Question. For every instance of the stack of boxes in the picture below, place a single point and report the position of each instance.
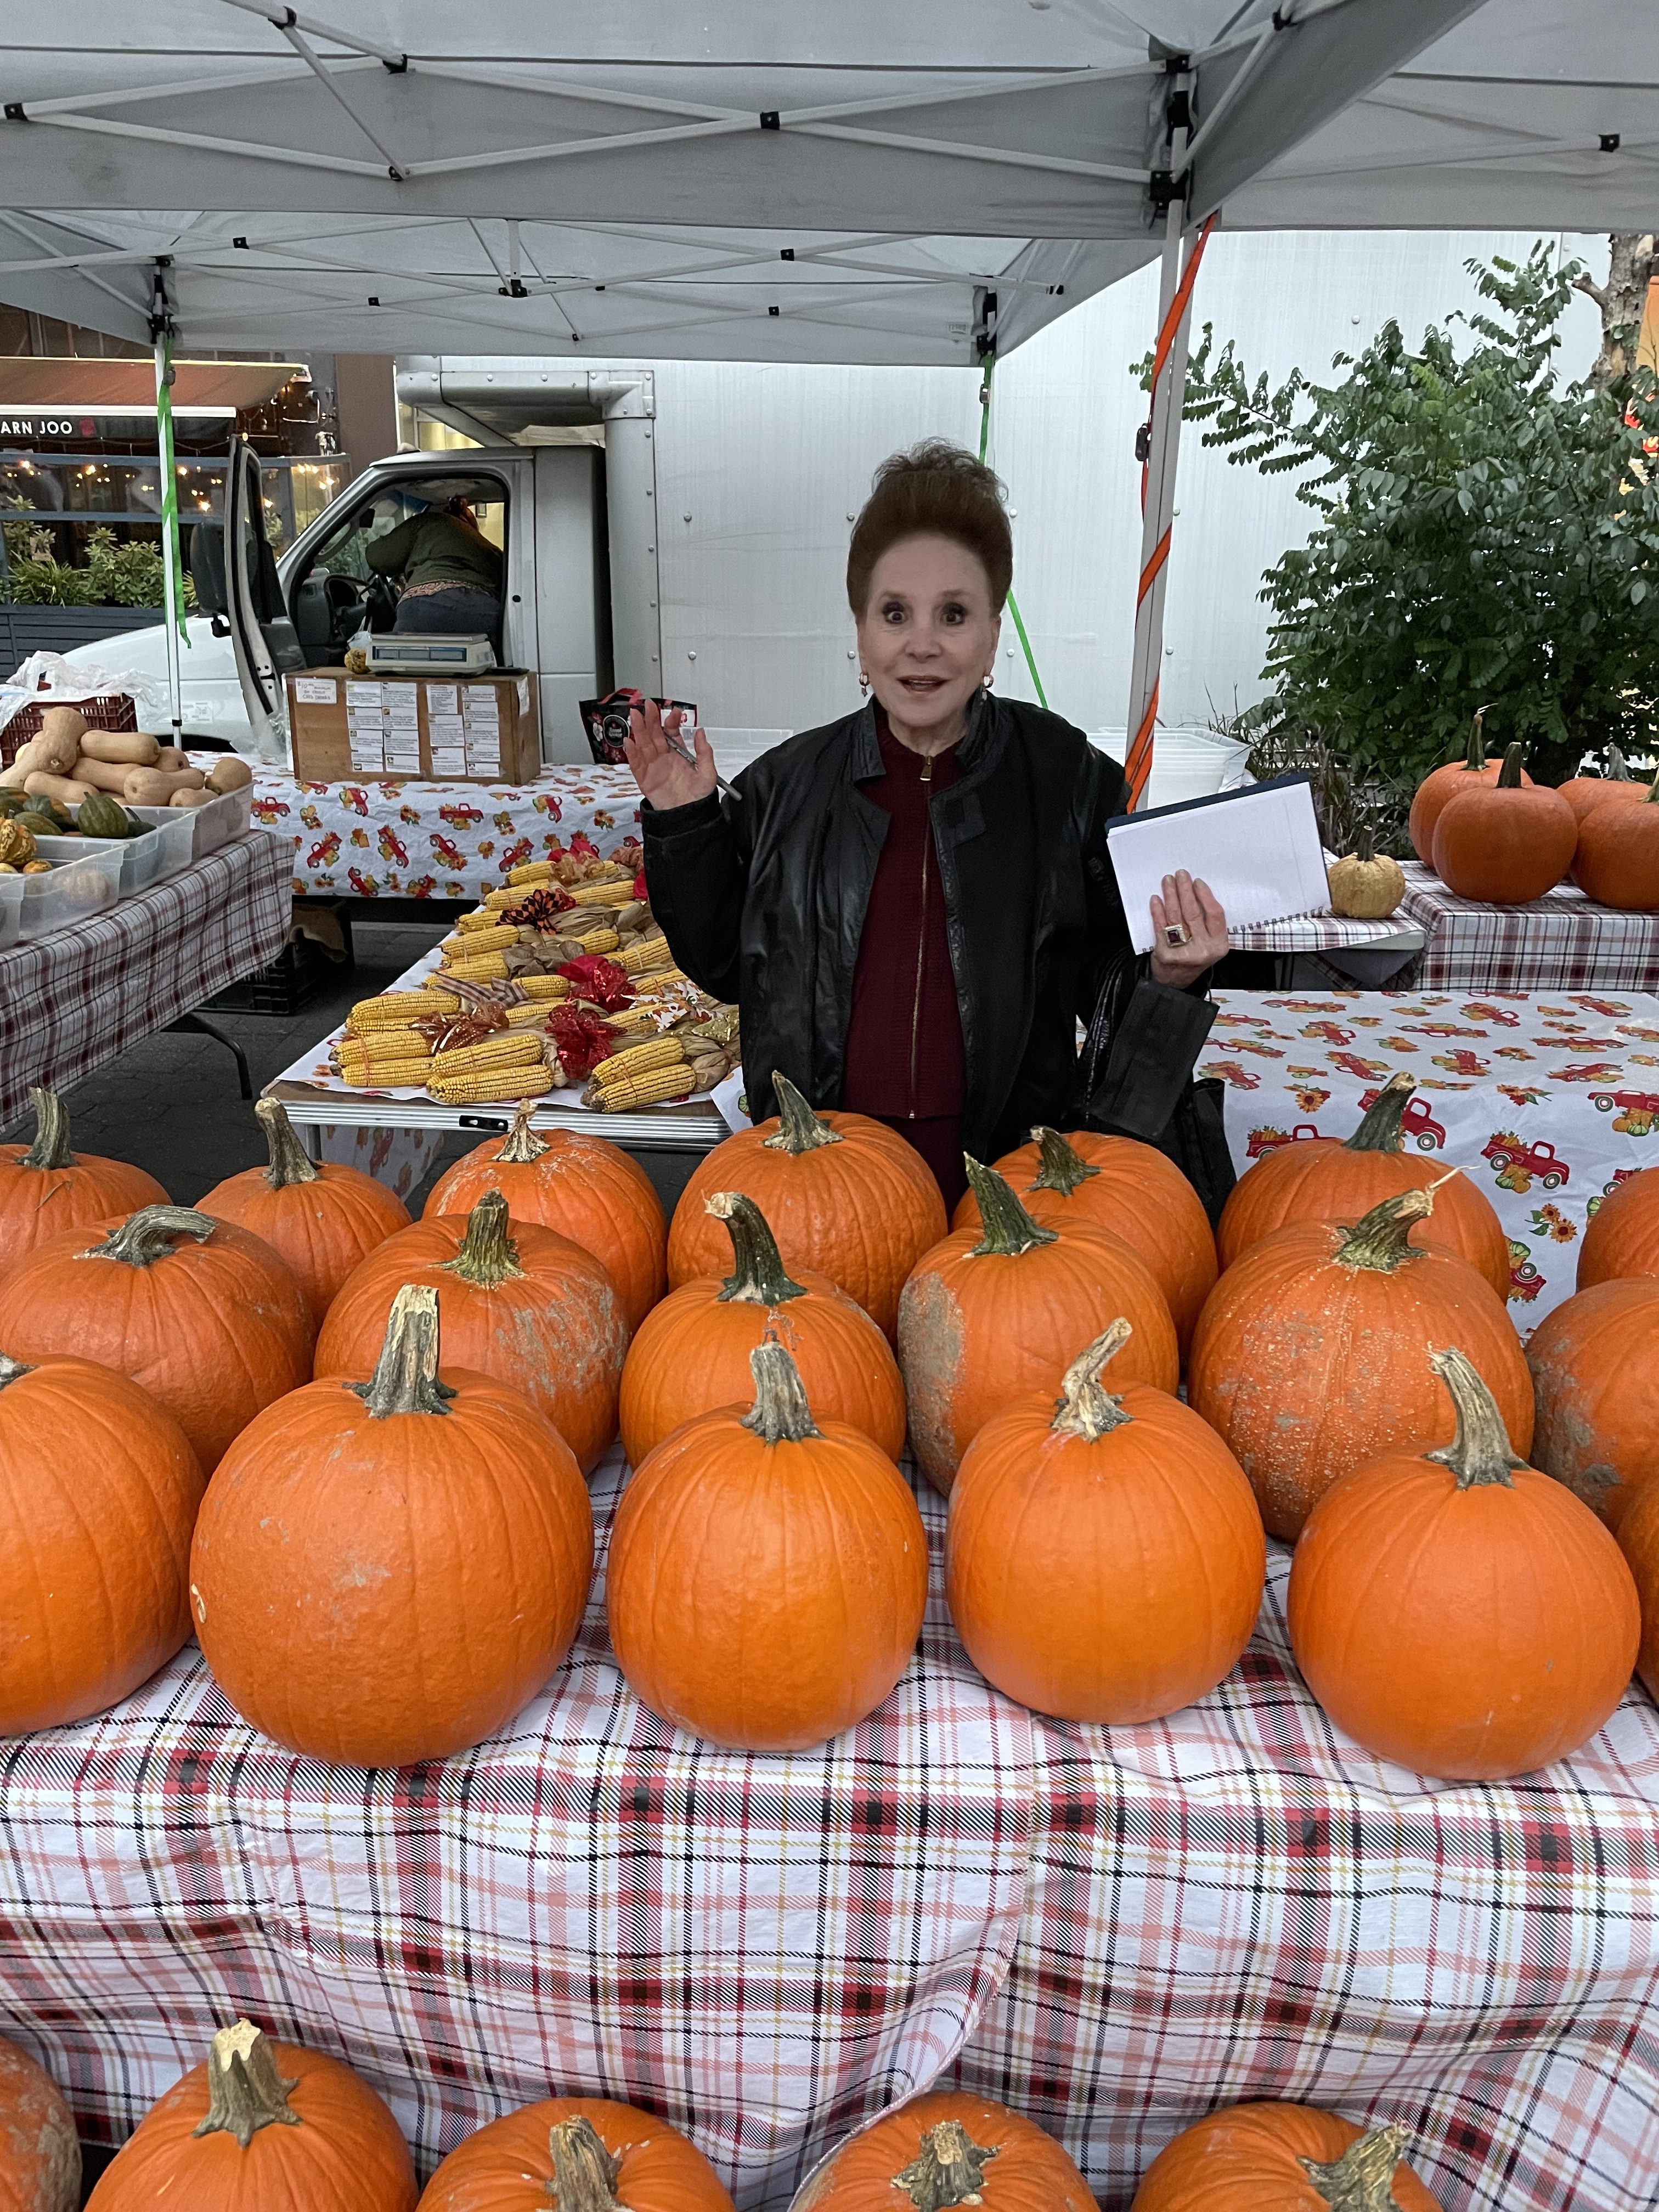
(479, 730)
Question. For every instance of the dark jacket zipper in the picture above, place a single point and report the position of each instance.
(921, 940)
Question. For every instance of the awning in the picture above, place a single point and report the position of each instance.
(90, 386)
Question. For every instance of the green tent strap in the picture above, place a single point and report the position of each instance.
(170, 491)
(988, 363)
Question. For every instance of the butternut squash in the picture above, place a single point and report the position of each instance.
(202, 798)
(123, 748)
(39, 785)
(154, 787)
(170, 760)
(62, 729)
(102, 775)
(230, 772)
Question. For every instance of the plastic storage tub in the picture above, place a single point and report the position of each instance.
(230, 815)
(168, 845)
(75, 889)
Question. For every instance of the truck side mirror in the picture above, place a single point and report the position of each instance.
(207, 568)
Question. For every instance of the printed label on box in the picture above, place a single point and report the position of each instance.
(447, 763)
(366, 758)
(443, 699)
(445, 729)
(316, 691)
(365, 694)
(403, 714)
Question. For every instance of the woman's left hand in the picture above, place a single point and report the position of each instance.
(1187, 902)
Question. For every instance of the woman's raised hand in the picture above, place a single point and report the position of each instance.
(1188, 904)
(665, 776)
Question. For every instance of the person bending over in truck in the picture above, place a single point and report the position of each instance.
(451, 573)
(912, 907)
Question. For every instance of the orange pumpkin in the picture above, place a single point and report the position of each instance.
(991, 1314)
(692, 1354)
(1449, 782)
(1621, 1237)
(584, 1187)
(1585, 793)
(1638, 1539)
(261, 2125)
(1595, 1364)
(582, 2154)
(767, 1574)
(1506, 842)
(387, 1572)
(46, 1188)
(321, 1216)
(39, 2151)
(844, 1195)
(1129, 1189)
(1282, 2157)
(945, 2149)
(203, 1315)
(1616, 862)
(98, 1489)
(1456, 1611)
(521, 1303)
(1338, 1179)
(1131, 1494)
(1311, 1355)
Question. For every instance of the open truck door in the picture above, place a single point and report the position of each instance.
(235, 572)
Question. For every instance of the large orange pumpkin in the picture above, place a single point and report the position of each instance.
(1638, 1539)
(201, 1314)
(768, 1574)
(844, 1195)
(581, 2154)
(98, 1489)
(1104, 1559)
(387, 1572)
(692, 1354)
(584, 1187)
(262, 2125)
(1448, 782)
(1616, 862)
(1282, 2157)
(1456, 1611)
(993, 1313)
(39, 2151)
(1311, 1355)
(1621, 1237)
(523, 1305)
(1595, 1364)
(1130, 1189)
(321, 1216)
(946, 2148)
(46, 1188)
(1338, 1179)
(1507, 842)
(1585, 793)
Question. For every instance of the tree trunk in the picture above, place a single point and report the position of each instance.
(1623, 300)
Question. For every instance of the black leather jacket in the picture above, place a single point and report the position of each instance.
(762, 900)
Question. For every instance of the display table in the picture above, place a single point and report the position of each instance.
(71, 1000)
(1562, 942)
(1116, 1929)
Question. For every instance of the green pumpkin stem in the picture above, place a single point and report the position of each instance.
(1086, 1407)
(1380, 1130)
(1508, 777)
(949, 2170)
(1480, 1453)
(289, 1162)
(1361, 2180)
(521, 1147)
(757, 1277)
(405, 1378)
(245, 2091)
(1380, 1239)
(585, 2174)
(488, 1256)
(779, 1414)
(147, 1235)
(798, 1130)
(1472, 749)
(11, 1370)
(50, 1148)
(1062, 1167)
(1006, 1227)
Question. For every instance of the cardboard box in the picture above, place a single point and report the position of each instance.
(402, 729)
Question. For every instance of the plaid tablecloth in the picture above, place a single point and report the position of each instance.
(1562, 942)
(1317, 932)
(1114, 1928)
(71, 1000)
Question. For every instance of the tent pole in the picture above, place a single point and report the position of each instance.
(173, 589)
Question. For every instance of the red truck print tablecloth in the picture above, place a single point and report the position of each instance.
(1547, 1101)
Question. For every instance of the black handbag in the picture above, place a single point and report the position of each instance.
(1142, 1046)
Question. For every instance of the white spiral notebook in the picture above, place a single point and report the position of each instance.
(1258, 849)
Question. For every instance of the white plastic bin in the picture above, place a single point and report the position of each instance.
(230, 815)
(75, 889)
(168, 845)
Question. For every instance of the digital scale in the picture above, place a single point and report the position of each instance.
(410, 652)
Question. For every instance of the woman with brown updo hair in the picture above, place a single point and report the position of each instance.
(912, 907)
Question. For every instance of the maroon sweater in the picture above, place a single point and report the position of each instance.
(904, 1062)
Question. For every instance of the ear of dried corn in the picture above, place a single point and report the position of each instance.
(656, 979)
(491, 1086)
(483, 919)
(487, 968)
(618, 893)
(497, 901)
(533, 1014)
(468, 944)
(544, 986)
(660, 1052)
(531, 872)
(505, 1049)
(651, 1086)
(405, 1074)
(651, 953)
(397, 1009)
(385, 1043)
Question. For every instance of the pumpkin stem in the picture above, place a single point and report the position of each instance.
(1652, 798)
(1508, 777)
(1379, 1239)
(405, 1378)
(521, 1147)
(757, 1277)
(1086, 1407)
(1063, 1167)
(779, 1414)
(1617, 770)
(1474, 752)
(1360, 2180)
(147, 1236)
(1380, 1131)
(488, 1256)
(1364, 845)
(950, 2170)
(798, 1130)
(1480, 1454)
(1007, 1227)
(50, 1148)
(11, 1370)
(245, 2091)
(584, 2171)
(289, 1162)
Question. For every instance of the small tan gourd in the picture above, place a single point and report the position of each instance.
(1365, 884)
